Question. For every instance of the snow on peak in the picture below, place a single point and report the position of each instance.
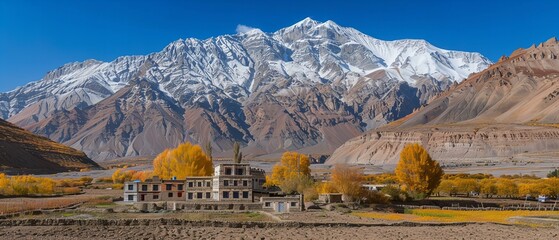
(307, 22)
(307, 52)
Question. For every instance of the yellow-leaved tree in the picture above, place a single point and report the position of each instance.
(184, 161)
(122, 175)
(292, 173)
(347, 180)
(417, 172)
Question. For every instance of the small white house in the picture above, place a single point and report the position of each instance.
(282, 204)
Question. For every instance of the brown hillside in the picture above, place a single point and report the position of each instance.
(509, 109)
(22, 152)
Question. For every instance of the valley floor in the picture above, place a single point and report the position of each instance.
(470, 231)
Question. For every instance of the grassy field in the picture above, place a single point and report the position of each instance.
(436, 215)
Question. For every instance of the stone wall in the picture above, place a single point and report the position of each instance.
(189, 206)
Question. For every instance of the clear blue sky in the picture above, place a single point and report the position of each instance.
(38, 36)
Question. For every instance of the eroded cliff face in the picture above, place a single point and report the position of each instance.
(507, 110)
(450, 144)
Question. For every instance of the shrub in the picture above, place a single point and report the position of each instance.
(395, 194)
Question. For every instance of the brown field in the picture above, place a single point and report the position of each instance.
(162, 231)
(92, 221)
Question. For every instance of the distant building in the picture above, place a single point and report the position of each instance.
(283, 204)
(330, 198)
(374, 187)
(231, 182)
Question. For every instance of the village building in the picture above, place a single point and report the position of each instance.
(283, 204)
(230, 182)
(374, 187)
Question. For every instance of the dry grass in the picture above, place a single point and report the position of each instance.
(435, 215)
(31, 205)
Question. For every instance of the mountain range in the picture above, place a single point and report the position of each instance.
(508, 112)
(309, 87)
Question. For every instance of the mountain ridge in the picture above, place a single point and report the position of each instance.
(507, 111)
(228, 85)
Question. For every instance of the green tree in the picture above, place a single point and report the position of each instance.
(554, 173)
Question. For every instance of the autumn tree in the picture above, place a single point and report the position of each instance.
(488, 187)
(553, 184)
(122, 175)
(347, 180)
(382, 178)
(447, 187)
(184, 161)
(467, 186)
(293, 167)
(506, 188)
(326, 187)
(4, 184)
(417, 172)
(296, 184)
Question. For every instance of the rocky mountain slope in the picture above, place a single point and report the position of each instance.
(24, 152)
(310, 86)
(509, 110)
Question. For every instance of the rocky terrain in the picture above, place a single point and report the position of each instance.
(508, 111)
(309, 87)
(24, 152)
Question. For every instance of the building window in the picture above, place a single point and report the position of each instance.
(235, 183)
(267, 204)
(180, 186)
(240, 171)
(130, 187)
(199, 184)
(169, 186)
(226, 183)
(225, 194)
(245, 183)
(294, 204)
(170, 195)
(245, 194)
(199, 195)
(155, 187)
(235, 194)
(208, 184)
(190, 195)
(227, 171)
(144, 187)
(190, 184)
(155, 196)
(130, 197)
(179, 194)
(208, 195)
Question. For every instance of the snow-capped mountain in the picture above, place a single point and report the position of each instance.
(310, 86)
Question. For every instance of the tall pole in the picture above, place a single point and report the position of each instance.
(557, 193)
